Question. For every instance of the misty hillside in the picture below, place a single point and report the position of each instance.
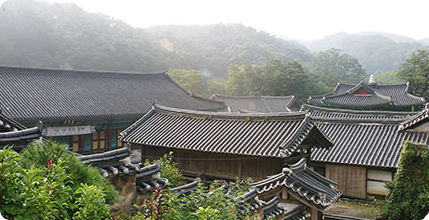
(214, 47)
(56, 35)
(377, 52)
(64, 36)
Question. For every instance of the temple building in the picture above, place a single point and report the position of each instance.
(218, 145)
(262, 104)
(367, 147)
(371, 96)
(88, 109)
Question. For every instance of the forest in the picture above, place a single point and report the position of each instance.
(206, 59)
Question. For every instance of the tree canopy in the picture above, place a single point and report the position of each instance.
(377, 52)
(408, 196)
(274, 78)
(416, 71)
(333, 66)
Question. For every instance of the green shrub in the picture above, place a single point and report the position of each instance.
(169, 170)
(408, 196)
(200, 205)
(36, 192)
(91, 203)
(37, 154)
(47, 182)
(240, 187)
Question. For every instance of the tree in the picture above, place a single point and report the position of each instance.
(416, 71)
(389, 78)
(408, 196)
(197, 83)
(274, 78)
(192, 80)
(333, 66)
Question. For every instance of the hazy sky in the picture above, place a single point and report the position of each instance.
(298, 19)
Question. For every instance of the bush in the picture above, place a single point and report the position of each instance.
(37, 154)
(169, 170)
(36, 192)
(47, 182)
(200, 205)
(91, 203)
(240, 187)
(408, 196)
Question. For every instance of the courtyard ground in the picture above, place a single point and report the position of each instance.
(356, 208)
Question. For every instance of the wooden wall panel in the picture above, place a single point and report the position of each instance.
(222, 166)
(351, 179)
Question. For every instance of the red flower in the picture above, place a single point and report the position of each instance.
(49, 161)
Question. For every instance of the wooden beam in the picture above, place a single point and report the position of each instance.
(109, 136)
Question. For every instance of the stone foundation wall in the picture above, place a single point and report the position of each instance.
(129, 194)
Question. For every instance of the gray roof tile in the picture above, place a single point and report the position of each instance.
(304, 182)
(266, 135)
(30, 94)
(367, 138)
(262, 104)
(416, 120)
(344, 95)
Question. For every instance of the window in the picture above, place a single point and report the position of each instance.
(75, 143)
(98, 140)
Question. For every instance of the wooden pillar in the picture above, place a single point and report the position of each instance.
(81, 143)
(240, 168)
(315, 215)
(109, 136)
(143, 151)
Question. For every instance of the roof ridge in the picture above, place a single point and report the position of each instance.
(261, 96)
(415, 97)
(264, 116)
(235, 96)
(82, 71)
(375, 93)
(308, 106)
(266, 105)
(192, 94)
(395, 84)
(415, 119)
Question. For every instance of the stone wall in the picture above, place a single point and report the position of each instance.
(130, 196)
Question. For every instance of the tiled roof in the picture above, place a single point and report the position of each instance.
(343, 115)
(149, 178)
(265, 135)
(416, 120)
(367, 138)
(302, 182)
(271, 208)
(111, 163)
(16, 134)
(29, 94)
(262, 104)
(298, 213)
(341, 217)
(345, 95)
(249, 201)
(187, 188)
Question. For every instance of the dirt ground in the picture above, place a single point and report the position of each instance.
(358, 209)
